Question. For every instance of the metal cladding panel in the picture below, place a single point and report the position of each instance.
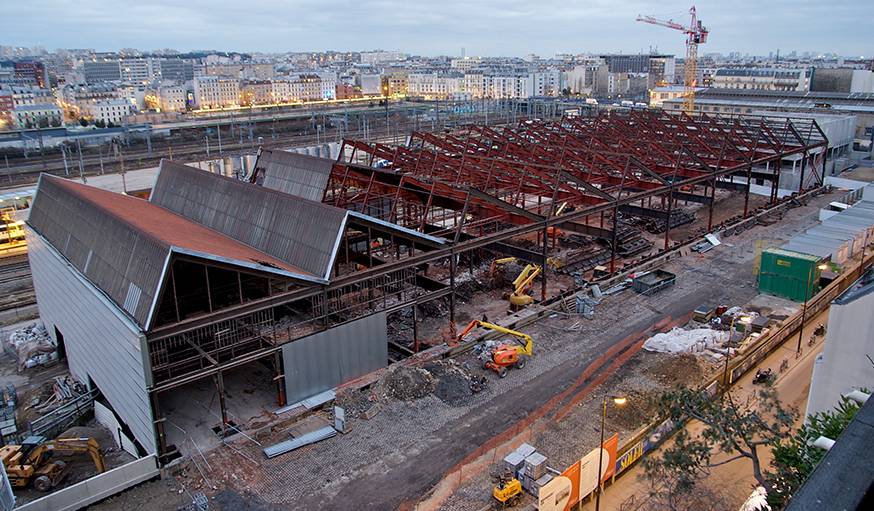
(300, 232)
(106, 250)
(295, 174)
(101, 342)
(326, 359)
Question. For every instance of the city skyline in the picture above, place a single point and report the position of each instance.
(483, 28)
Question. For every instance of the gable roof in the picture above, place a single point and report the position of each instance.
(303, 233)
(300, 175)
(122, 243)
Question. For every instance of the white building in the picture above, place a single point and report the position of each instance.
(778, 79)
(139, 70)
(434, 85)
(37, 116)
(370, 84)
(842, 366)
(380, 57)
(109, 111)
(172, 98)
(465, 64)
(216, 92)
(658, 95)
(513, 86)
(546, 83)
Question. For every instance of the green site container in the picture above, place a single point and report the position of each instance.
(788, 274)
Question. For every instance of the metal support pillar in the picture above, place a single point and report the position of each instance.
(543, 265)
(415, 329)
(710, 212)
(158, 423)
(614, 239)
(220, 385)
(747, 191)
(279, 368)
(668, 220)
(452, 291)
(803, 167)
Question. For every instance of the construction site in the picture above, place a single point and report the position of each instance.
(381, 329)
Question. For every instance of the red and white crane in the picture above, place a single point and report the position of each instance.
(696, 34)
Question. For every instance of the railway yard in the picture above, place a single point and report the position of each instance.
(221, 360)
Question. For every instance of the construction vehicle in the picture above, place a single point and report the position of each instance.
(520, 297)
(503, 356)
(508, 492)
(32, 463)
(695, 34)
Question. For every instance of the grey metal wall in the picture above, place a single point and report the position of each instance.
(324, 360)
(100, 341)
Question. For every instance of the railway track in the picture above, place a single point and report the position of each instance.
(25, 172)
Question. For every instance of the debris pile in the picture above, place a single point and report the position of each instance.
(408, 383)
(453, 381)
(32, 346)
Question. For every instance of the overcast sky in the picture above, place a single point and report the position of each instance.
(437, 27)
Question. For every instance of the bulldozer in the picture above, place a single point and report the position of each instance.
(504, 356)
(32, 463)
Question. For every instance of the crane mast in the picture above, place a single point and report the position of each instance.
(696, 34)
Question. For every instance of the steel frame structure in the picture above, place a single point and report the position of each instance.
(484, 187)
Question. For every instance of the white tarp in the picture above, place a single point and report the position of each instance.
(683, 341)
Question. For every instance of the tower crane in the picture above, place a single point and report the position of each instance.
(696, 34)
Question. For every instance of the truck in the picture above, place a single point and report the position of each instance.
(591, 101)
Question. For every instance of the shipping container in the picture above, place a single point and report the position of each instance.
(788, 274)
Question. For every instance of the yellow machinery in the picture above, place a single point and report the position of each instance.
(31, 462)
(520, 297)
(508, 492)
(505, 355)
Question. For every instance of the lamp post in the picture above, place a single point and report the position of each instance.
(745, 320)
(618, 401)
(804, 307)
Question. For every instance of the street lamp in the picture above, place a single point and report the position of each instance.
(618, 401)
(804, 307)
(745, 320)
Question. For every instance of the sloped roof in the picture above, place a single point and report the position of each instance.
(300, 175)
(301, 232)
(121, 243)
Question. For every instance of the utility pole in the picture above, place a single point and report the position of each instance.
(218, 129)
(206, 138)
(64, 155)
(81, 163)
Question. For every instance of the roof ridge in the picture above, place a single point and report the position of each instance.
(75, 187)
(246, 186)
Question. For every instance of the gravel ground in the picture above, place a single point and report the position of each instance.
(400, 453)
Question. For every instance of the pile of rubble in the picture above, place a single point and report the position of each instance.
(31, 346)
(407, 383)
(448, 380)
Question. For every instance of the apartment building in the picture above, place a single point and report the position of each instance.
(216, 92)
(777, 79)
(108, 111)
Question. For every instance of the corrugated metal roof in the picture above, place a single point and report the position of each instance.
(300, 232)
(120, 243)
(295, 174)
(105, 249)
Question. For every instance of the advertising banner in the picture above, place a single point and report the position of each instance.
(562, 493)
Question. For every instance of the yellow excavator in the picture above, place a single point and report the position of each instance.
(504, 356)
(520, 297)
(31, 462)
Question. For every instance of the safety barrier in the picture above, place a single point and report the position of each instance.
(96, 488)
